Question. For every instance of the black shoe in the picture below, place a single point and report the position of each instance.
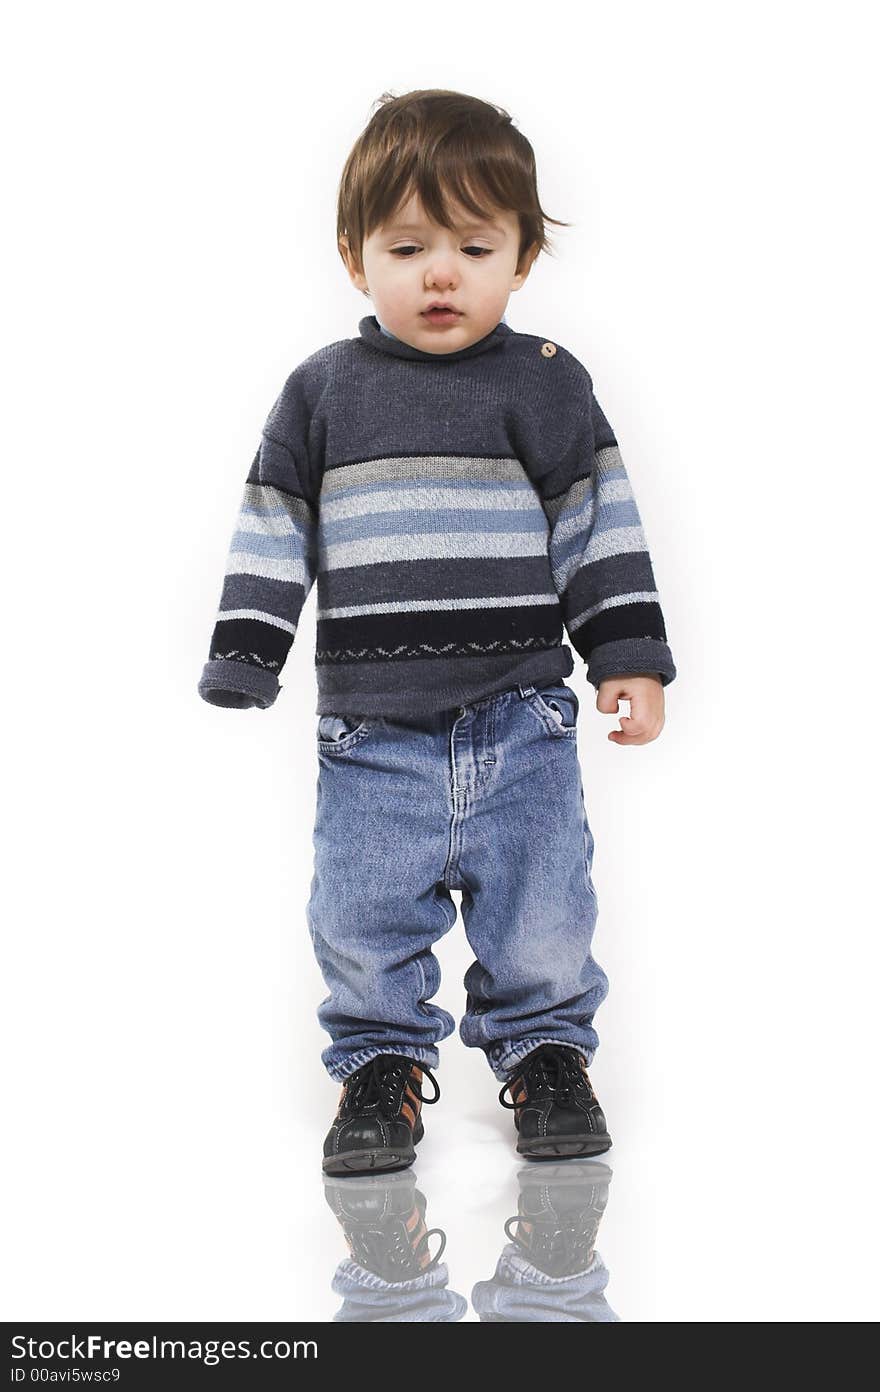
(377, 1122)
(556, 1111)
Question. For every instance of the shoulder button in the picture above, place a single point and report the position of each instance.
(548, 349)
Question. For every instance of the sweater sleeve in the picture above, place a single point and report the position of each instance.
(271, 563)
(598, 552)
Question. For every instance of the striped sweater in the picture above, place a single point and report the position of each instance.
(457, 510)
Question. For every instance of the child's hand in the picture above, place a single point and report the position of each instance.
(645, 695)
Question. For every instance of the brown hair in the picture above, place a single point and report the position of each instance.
(441, 146)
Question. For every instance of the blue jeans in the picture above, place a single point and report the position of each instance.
(487, 799)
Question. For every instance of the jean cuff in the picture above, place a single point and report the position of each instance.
(339, 1072)
(504, 1059)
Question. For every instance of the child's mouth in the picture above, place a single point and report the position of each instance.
(440, 316)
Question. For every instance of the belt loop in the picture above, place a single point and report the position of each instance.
(524, 690)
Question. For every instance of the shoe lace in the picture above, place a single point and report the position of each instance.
(559, 1247)
(556, 1067)
(404, 1251)
(380, 1084)
(386, 1245)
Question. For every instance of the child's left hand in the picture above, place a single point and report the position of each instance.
(645, 695)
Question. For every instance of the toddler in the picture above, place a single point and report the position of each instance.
(458, 493)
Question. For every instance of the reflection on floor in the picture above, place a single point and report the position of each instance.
(547, 1271)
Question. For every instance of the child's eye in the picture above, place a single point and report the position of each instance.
(484, 251)
(402, 251)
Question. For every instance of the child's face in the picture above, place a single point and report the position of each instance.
(411, 262)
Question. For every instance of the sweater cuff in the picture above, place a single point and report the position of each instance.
(629, 656)
(237, 684)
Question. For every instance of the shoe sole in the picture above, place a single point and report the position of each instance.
(553, 1148)
(368, 1161)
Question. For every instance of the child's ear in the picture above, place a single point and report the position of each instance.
(355, 273)
(524, 265)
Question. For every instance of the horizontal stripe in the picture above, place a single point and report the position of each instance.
(273, 501)
(432, 605)
(619, 623)
(449, 676)
(272, 600)
(226, 614)
(258, 641)
(646, 596)
(625, 573)
(595, 515)
(391, 499)
(531, 523)
(394, 581)
(433, 546)
(616, 541)
(277, 524)
(294, 569)
(578, 500)
(406, 468)
(435, 633)
(270, 545)
(389, 496)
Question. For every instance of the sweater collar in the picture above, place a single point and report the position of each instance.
(372, 334)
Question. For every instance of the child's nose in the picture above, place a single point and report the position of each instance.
(441, 272)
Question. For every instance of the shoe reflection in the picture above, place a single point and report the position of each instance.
(550, 1270)
(391, 1273)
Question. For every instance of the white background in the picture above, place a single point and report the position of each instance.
(170, 180)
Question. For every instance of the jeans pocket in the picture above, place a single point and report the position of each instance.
(557, 707)
(339, 733)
